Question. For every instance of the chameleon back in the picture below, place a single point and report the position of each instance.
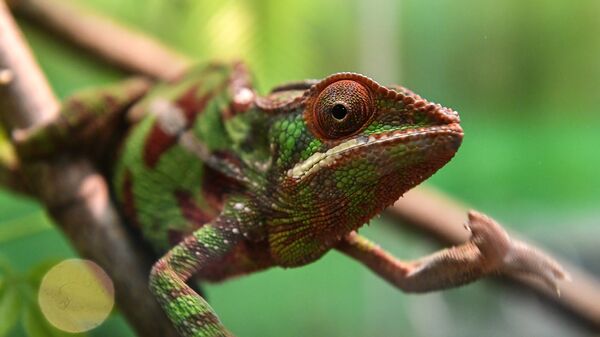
(164, 188)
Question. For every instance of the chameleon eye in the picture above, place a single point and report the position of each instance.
(341, 109)
(339, 112)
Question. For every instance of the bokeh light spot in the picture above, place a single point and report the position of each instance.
(76, 295)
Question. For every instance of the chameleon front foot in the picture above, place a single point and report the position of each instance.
(512, 256)
(490, 250)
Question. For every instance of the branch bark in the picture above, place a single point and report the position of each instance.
(11, 178)
(73, 192)
(118, 45)
(424, 210)
(21, 77)
(442, 217)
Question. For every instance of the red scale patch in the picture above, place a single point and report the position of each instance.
(192, 213)
(191, 105)
(190, 209)
(215, 185)
(159, 141)
(156, 144)
(129, 207)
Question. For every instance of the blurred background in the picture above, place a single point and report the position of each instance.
(524, 76)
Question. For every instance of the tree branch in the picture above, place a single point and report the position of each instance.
(21, 77)
(442, 217)
(426, 211)
(74, 193)
(10, 178)
(117, 44)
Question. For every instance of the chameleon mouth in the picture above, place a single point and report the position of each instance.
(412, 138)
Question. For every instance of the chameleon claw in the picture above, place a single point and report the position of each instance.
(511, 256)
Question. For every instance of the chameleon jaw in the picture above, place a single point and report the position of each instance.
(321, 160)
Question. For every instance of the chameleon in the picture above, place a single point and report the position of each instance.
(222, 181)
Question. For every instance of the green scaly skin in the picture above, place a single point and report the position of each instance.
(295, 187)
(225, 182)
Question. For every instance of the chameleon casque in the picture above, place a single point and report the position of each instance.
(223, 182)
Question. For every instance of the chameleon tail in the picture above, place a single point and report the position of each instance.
(89, 122)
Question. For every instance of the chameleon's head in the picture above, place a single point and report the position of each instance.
(349, 148)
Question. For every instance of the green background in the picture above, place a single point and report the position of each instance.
(524, 76)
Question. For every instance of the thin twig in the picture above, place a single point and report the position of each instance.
(9, 178)
(118, 44)
(20, 76)
(12, 179)
(426, 211)
(73, 192)
(442, 217)
(17, 81)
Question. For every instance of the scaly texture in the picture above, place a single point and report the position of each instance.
(225, 182)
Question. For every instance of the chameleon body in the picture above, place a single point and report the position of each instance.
(222, 181)
(273, 160)
(289, 179)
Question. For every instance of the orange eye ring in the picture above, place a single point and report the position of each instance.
(342, 109)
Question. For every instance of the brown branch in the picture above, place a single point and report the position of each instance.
(20, 78)
(77, 198)
(116, 43)
(73, 191)
(15, 87)
(442, 217)
(11, 178)
(435, 215)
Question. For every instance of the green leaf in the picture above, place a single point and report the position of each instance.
(10, 307)
(6, 268)
(7, 153)
(23, 227)
(37, 273)
(35, 326)
(35, 323)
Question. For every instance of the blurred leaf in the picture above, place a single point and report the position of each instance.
(7, 153)
(10, 307)
(36, 325)
(6, 268)
(3, 282)
(37, 273)
(22, 227)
